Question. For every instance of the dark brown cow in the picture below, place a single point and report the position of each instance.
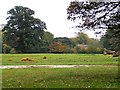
(44, 57)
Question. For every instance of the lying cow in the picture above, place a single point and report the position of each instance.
(25, 59)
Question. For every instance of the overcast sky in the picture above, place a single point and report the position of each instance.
(52, 12)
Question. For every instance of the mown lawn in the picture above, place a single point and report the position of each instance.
(84, 77)
(59, 59)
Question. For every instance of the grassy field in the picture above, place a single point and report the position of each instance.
(59, 59)
(82, 77)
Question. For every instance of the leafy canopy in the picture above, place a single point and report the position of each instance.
(22, 30)
(98, 16)
(94, 15)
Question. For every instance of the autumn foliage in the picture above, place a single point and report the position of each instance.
(56, 47)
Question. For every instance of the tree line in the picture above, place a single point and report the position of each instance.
(25, 34)
(49, 44)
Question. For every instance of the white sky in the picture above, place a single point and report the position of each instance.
(52, 12)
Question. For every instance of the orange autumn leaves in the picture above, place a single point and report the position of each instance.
(57, 47)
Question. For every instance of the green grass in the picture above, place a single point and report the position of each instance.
(83, 77)
(59, 59)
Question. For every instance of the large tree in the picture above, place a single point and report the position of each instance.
(111, 40)
(96, 16)
(22, 30)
